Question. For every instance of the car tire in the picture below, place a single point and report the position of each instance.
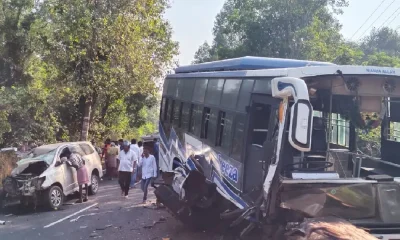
(54, 197)
(94, 184)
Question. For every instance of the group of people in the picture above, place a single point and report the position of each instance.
(131, 158)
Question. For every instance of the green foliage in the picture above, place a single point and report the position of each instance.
(275, 28)
(78, 59)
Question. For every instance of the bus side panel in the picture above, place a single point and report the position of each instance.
(170, 148)
(223, 171)
(217, 168)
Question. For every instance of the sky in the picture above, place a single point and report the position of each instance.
(193, 20)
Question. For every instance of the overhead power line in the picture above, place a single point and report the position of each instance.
(390, 18)
(398, 14)
(366, 20)
(377, 18)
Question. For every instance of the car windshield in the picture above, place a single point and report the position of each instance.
(47, 157)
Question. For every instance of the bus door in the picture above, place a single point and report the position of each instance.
(262, 112)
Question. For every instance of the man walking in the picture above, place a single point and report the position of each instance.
(149, 171)
(127, 162)
(135, 148)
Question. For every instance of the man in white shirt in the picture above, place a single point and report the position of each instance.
(149, 171)
(135, 148)
(127, 162)
(140, 144)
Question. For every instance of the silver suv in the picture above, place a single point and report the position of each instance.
(41, 177)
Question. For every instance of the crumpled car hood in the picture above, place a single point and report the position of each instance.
(22, 165)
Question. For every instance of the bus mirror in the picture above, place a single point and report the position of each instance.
(301, 122)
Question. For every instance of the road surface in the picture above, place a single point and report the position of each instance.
(105, 216)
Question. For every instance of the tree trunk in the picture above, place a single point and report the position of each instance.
(86, 119)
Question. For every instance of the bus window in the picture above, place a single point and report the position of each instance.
(162, 109)
(230, 93)
(212, 127)
(260, 125)
(214, 90)
(179, 88)
(188, 86)
(195, 120)
(165, 113)
(263, 86)
(165, 86)
(170, 112)
(225, 131)
(244, 94)
(238, 135)
(200, 86)
(176, 114)
(185, 121)
(171, 87)
(206, 118)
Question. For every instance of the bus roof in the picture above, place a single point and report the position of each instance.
(248, 63)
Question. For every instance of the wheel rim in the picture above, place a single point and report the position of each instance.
(95, 183)
(55, 197)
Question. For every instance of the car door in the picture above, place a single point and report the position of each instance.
(90, 158)
(69, 173)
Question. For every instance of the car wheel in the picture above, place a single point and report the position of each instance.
(55, 197)
(94, 184)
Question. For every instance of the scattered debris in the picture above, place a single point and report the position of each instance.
(105, 227)
(161, 220)
(2, 222)
(8, 215)
(87, 215)
(94, 235)
(59, 234)
(150, 207)
(83, 227)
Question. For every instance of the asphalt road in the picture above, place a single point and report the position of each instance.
(106, 215)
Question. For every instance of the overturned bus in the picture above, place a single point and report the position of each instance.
(260, 143)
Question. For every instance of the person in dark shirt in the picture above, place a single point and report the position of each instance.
(75, 160)
(121, 144)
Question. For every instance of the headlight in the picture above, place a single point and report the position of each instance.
(39, 182)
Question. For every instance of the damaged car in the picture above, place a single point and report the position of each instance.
(274, 145)
(41, 177)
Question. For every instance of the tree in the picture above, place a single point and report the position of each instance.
(271, 28)
(106, 50)
(205, 53)
(385, 40)
(16, 18)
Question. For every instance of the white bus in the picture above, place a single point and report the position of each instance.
(279, 137)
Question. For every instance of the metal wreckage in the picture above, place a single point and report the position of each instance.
(305, 177)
